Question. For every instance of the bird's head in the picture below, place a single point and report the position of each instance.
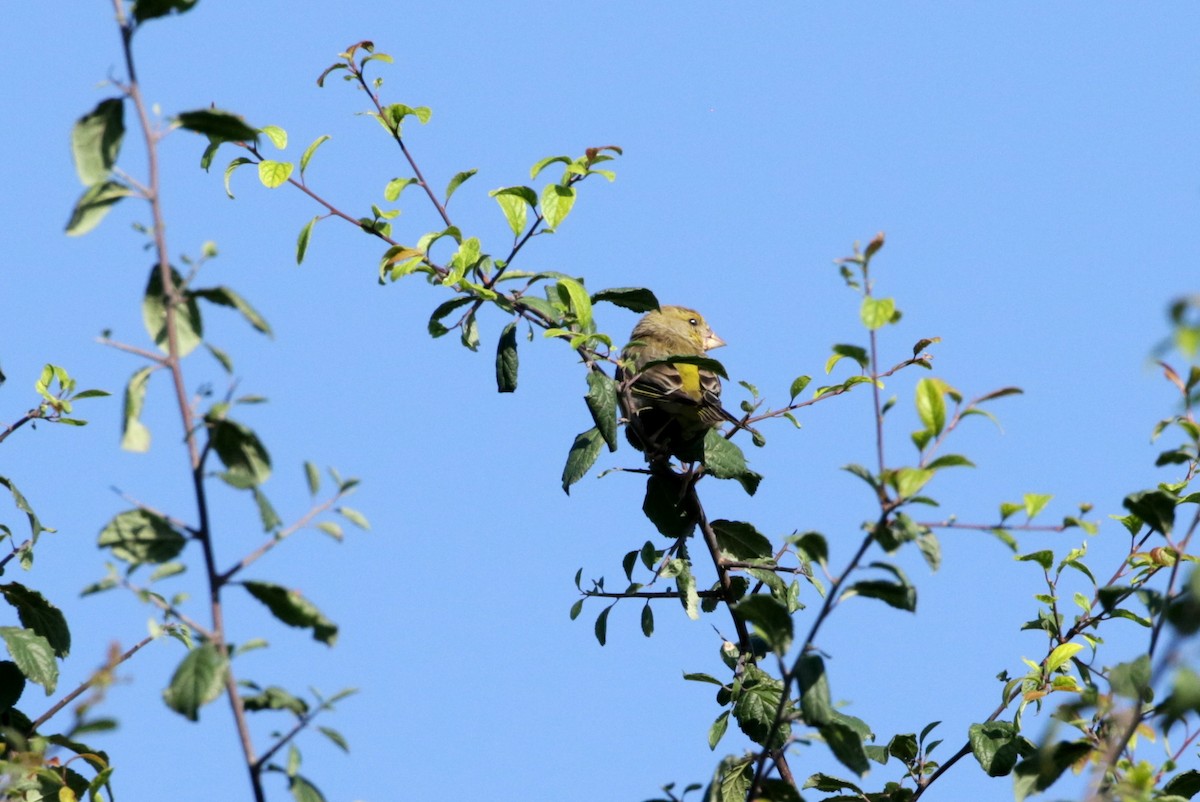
(679, 322)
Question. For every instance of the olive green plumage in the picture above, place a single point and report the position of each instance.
(670, 407)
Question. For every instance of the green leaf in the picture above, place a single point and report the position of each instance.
(798, 386)
(1061, 655)
(724, 460)
(229, 168)
(464, 258)
(223, 296)
(924, 343)
(221, 126)
(997, 745)
(506, 359)
(840, 351)
(275, 698)
(877, 312)
(1185, 784)
(601, 627)
(755, 707)
(826, 782)
(150, 9)
(601, 400)
(635, 299)
(396, 112)
(846, 743)
(1155, 507)
(899, 594)
(546, 162)
(580, 303)
(741, 541)
(469, 332)
(139, 536)
(134, 434)
(816, 704)
(391, 192)
(667, 506)
(950, 461)
(313, 476)
(717, 731)
(266, 511)
(685, 584)
(515, 202)
(33, 654)
(770, 620)
(96, 140)
(246, 460)
(583, 455)
(698, 676)
(647, 620)
(557, 201)
(220, 356)
(167, 570)
(457, 181)
(909, 481)
(303, 239)
(903, 747)
(40, 616)
(12, 685)
(95, 202)
(1184, 698)
(304, 791)
(188, 326)
(198, 680)
(273, 173)
(277, 135)
(290, 607)
(90, 394)
(436, 329)
(1035, 503)
(354, 516)
(1132, 679)
(35, 525)
(1044, 558)
(310, 150)
(1043, 768)
(336, 737)
(931, 404)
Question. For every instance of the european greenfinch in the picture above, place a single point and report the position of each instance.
(669, 407)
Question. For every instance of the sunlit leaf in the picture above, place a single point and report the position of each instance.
(96, 140)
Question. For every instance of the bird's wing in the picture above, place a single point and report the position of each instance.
(684, 385)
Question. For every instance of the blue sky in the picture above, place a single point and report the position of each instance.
(1036, 171)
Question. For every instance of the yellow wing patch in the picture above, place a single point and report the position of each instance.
(689, 379)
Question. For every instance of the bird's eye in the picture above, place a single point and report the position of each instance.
(693, 321)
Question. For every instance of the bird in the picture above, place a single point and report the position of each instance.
(670, 406)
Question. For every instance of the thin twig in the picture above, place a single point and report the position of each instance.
(949, 524)
(304, 721)
(168, 608)
(8, 557)
(31, 415)
(173, 521)
(173, 361)
(278, 538)
(779, 569)
(73, 695)
(151, 356)
(441, 209)
(714, 550)
(648, 594)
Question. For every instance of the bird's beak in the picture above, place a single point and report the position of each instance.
(712, 341)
